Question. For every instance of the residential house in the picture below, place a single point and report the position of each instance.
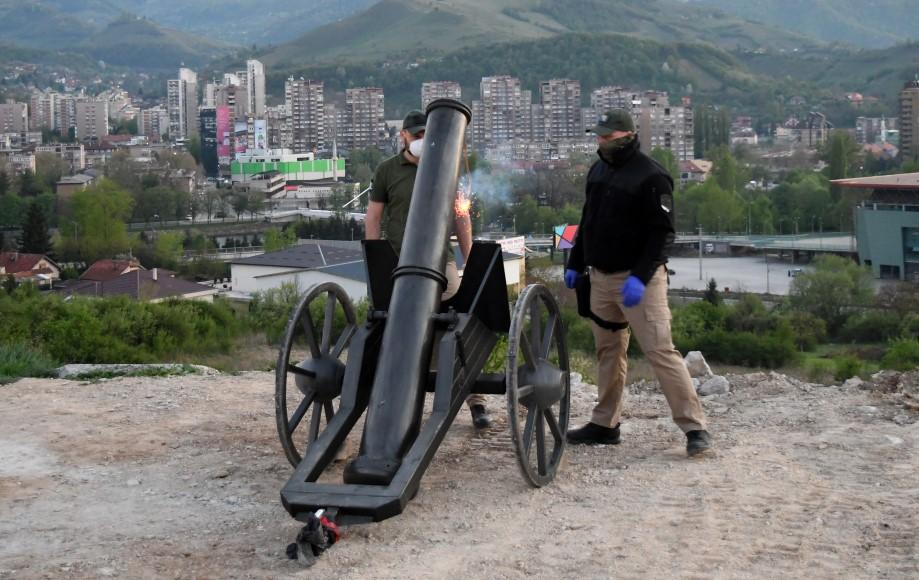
(156, 285)
(105, 270)
(36, 268)
(694, 171)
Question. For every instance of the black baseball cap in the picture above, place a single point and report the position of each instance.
(414, 122)
(613, 120)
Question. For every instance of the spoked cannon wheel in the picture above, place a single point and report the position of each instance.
(311, 367)
(538, 384)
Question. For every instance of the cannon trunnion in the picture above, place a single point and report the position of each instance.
(333, 369)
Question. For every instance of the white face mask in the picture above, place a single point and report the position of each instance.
(415, 147)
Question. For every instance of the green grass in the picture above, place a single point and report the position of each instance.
(18, 360)
(183, 369)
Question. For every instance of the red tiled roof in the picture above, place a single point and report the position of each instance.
(16, 262)
(104, 270)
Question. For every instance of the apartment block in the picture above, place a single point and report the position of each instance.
(14, 117)
(305, 101)
(431, 91)
(909, 121)
(561, 109)
(364, 117)
(870, 130)
(153, 123)
(501, 109)
(255, 88)
(182, 104)
(92, 120)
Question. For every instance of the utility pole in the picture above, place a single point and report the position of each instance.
(766, 254)
(700, 252)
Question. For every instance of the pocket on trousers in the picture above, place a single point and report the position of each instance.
(657, 313)
(658, 318)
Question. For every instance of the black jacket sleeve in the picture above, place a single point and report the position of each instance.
(576, 257)
(657, 196)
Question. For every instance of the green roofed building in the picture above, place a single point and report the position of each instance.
(294, 167)
(887, 224)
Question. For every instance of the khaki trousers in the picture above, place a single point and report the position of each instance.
(453, 284)
(649, 321)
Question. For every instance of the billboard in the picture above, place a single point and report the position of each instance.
(241, 135)
(223, 131)
(261, 135)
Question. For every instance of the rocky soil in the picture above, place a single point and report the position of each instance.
(179, 477)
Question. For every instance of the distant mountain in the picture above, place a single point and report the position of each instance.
(98, 29)
(425, 27)
(140, 42)
(40, 25)
(242, 22)
(863, 23)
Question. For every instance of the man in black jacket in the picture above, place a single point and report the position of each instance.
(626, 227)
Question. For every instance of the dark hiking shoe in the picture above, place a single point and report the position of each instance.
(480, 417)
(698, 442)
(593, 434)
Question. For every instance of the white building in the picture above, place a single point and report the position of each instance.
(182, 104)
(255, 88)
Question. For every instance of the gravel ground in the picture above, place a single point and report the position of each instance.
(179, 477)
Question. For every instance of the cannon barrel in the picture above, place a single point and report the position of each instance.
(397, 395)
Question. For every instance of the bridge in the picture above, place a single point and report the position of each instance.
(812, 243)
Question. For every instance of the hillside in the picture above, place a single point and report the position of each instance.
(242, 22)
(873, 72)
(869, 24)
(421, 27)
(706, 72)
(33, 24)
(139, 42)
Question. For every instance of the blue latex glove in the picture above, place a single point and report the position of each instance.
(571, 277)
(632, 291)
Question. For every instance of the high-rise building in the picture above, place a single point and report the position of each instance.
(208, 132)
(255, 88)
(182, 102)
(278, 122)
(365, 124)
(606, 98)
(65, 118)
(660, 124)
(43, 110)
(153, 123)
(909, 121)
(14, 117)
(561, 101)
(92, 120)
(431, 91)
(871, 129)
(305, 100)
(501, 108)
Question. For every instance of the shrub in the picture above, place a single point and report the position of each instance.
(903, 355)
(819, 369)
(771, 350)
(835, 286)
(693, 321)
(809, 331)
(909, 328)
(871, 326)
(19, 360)
(846, 367)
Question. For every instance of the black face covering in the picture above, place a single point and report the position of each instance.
(615, 150)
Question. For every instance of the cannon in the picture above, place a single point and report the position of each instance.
(333, 370)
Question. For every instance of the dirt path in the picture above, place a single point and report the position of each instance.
(179, 477)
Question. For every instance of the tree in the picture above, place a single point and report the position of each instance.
(668, 160)
(831, 290)
(168, 249)
(29, 185)
(711, 293)
(100, 213)
(194, 148)
(841, 153)
(4, 183)
(12, 210)
(240, 203)
(35, 238)
(276, 239)
(49, 168)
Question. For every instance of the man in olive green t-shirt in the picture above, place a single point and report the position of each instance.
(387, 215)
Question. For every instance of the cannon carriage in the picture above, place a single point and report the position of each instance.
(334, 369)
